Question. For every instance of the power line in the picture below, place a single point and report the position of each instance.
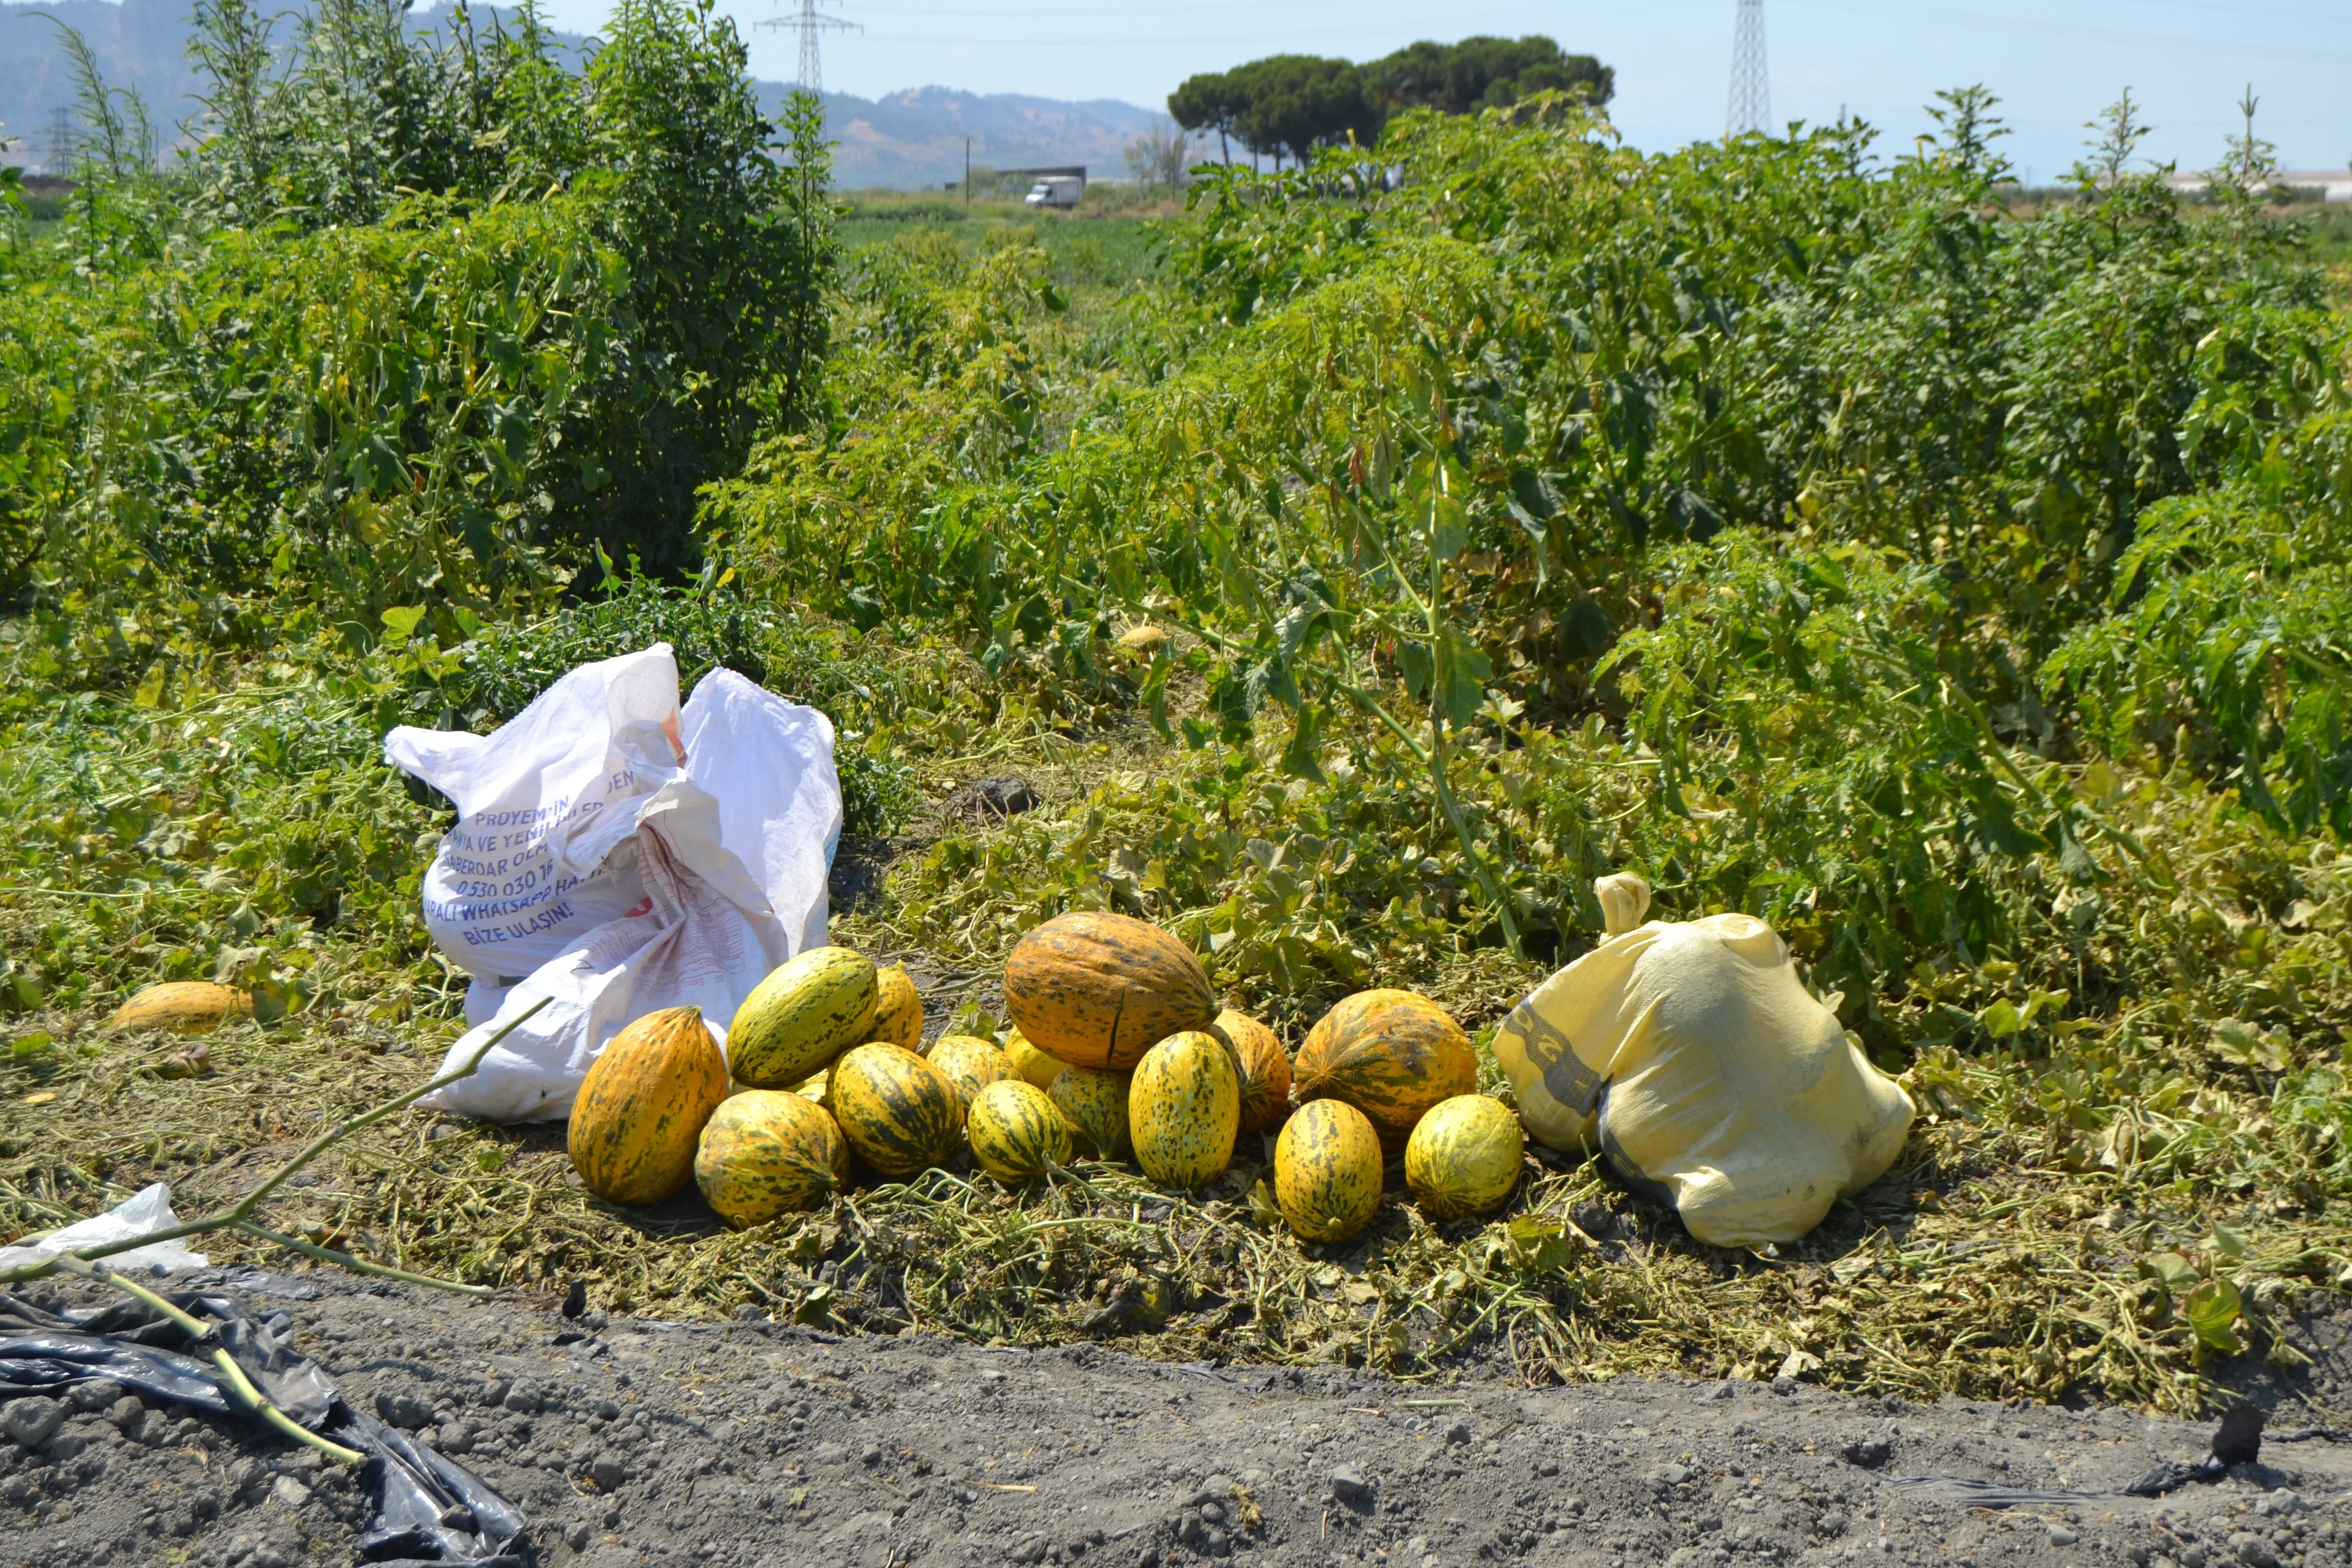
(1884, 11)
(1065, 40)
(812, 24)
(1751, 108)
(2236, 12)
(2261, 46)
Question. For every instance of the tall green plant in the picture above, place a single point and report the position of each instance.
(725, 243)
(120, 217)
(461, 318)
(230, 43)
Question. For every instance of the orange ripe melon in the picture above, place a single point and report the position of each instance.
(1263, 1068)
(1099, 990)
(182, 1006)
(639, 1116)
(1391, 1055)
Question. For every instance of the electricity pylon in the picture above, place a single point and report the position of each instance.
(811, 23)
(1751, 85)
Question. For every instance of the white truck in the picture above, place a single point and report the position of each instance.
(1057, 191)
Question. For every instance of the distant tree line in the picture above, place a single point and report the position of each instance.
(1287, 105)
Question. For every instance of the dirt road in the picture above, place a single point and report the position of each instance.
(773, 1447)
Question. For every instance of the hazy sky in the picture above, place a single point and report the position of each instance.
(2054, 62)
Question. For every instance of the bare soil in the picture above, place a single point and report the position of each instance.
(633, 1440)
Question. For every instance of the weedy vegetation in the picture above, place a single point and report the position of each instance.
(1960, 589)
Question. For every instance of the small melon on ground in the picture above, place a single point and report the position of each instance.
(1326, 1171)
(900, 1114)
(1183, 1108)
(1015, 1132)
(1144, 641)
(898, 1009)
(1463, 1156)
(765, 1152)
(971, 1063)
(1265, 1069)
(1094, 1101)
(1032, 1064)
(182, 1006)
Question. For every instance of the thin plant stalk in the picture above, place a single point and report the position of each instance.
(238, 1215)
(233, 1374)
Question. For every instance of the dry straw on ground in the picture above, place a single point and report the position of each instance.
(1969, 1269)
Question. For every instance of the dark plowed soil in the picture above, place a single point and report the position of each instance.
(754, 1444)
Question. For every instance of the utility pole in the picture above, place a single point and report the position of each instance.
(1751, 107)
(967, 171)
(811, 24)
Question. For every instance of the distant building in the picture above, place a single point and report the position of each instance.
(2333, 184)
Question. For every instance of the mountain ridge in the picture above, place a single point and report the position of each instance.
(906, 140)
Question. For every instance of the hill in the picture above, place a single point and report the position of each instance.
(904, 139)
(915, 138)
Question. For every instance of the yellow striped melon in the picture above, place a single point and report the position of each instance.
(1326, 1171)
(1094, 1101)
(639, 1114)
(1144, 641)
(898, 1009)
(182, 1006)
(971, 1063)
(1099, 990)
(1032, 1065)
(1265, 1069)
(1389, 1054)
(805, 1013)
(766, 1153)
(1015, 1132)
(1463, 1156)
(900, 1114)
(1183, 1108)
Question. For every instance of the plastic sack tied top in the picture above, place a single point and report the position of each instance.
(1707, 1073)
(618, 854)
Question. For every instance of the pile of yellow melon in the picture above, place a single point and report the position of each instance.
(1119, 1050)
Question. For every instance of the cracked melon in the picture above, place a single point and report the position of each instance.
(1095, 990)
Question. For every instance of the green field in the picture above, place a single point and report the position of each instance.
(2331, 235)
(1094, 247)
(1356, 570)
